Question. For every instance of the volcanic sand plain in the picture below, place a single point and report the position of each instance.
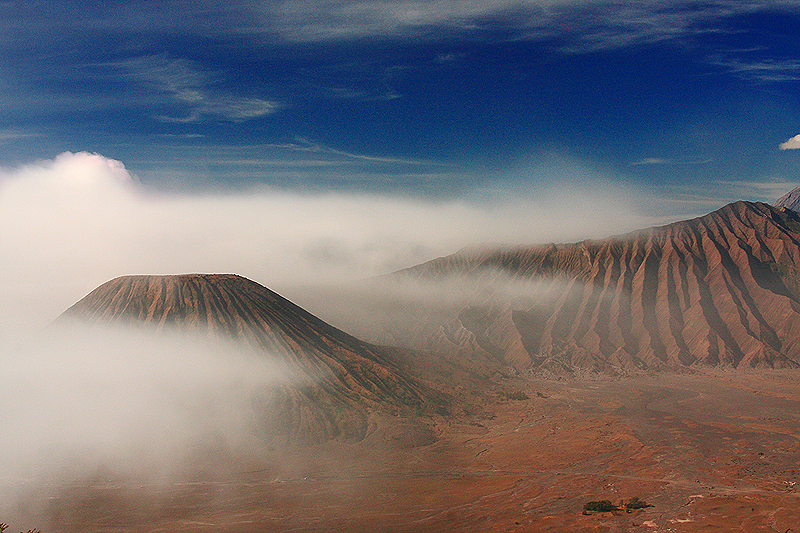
(709, 450)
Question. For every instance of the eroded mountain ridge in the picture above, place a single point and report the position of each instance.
(721, 289)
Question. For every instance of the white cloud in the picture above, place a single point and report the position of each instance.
(70, 224)
(791, 144)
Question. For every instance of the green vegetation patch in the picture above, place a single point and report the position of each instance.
(636, 503)
(601, 506)
(605, 506)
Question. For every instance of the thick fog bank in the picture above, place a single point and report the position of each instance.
(69, 224)
(87, 404)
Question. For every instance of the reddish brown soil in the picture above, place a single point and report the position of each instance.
(710, 452)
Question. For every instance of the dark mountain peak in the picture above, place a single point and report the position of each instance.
(349, 377)
(218, 303)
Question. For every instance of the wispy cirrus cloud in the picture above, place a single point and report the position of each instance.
(570, 25)
(302, 164)
(764, 70)
(766, 191)
(651, 161)
(303, 144)
(591, 24)
(685, 201)
(668, 161)
(193, 89)
(721, 29)
(13, 134)
(609, 22)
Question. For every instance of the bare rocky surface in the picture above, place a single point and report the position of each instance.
(719, 290)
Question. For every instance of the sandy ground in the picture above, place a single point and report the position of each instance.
(715, 451)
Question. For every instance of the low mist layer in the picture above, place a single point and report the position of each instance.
(69, 224)
(127, 404)
(408, 310)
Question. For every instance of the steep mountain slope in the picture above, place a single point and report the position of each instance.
(338, 379)
(721, 289)
(791, 200)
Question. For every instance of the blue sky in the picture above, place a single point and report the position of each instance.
(300, 143)
(432, 99)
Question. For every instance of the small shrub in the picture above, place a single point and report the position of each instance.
(636, 503)
(602, 506)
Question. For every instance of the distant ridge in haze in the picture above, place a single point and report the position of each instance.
(719, 290)
(348, 377)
